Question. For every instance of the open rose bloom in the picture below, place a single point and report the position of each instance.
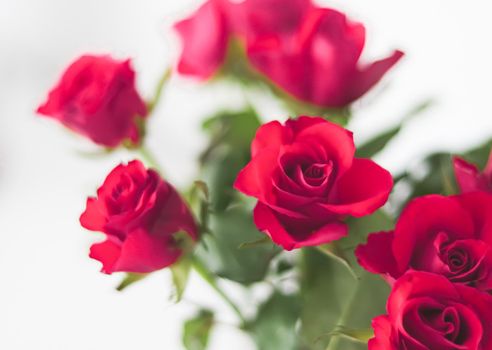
(300, 220)
(426, 311)
(307, 180)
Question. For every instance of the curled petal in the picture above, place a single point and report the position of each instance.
(271, 134)
(376, 256)
(361, 190)
(268, 222)
(255, 179)
(93, 217)
(369, 76)
(467, 175)
(108, 253)
(205, 37)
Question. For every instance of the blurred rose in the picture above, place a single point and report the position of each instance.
(310, 52)
(470, 179)
(428, 312)
(318, 63)
(449, 236)
(204, 36)
(96, 98)
(139, 213)
(306, 180)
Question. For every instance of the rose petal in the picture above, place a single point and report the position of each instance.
(337, 142)
(370, 75)
(382, 334)
(255, 179)
(266, 221)
(204, 38)
(93, 218)
(108, 253)
(142, 252)
(425, 217)
(376, 255)
(479, 206)
(361, 190)
(466, 175)
(272, 135)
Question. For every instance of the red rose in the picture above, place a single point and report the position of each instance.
(310, 52)
(96, 97)
(205, 37)
(319, 62)
(139, 213)
(450, 236)
(206, 34)
(470, 179)
(260, 18)
(428, 312)
(306, 180)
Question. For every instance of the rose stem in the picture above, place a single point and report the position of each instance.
(335, 339)
(149, 158)
(158, 90)
(210, 279)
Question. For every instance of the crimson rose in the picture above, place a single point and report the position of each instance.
(139, 213)
(306, 180)
(205, 37)
(428, 312)
(96, 98)
(470, 179)
(318, 61)
(450, 236)
(311, 52)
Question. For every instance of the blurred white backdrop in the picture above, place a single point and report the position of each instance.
(52, 296)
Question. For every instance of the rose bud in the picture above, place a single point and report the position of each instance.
(428, 312)
(204, 36)
(470, 179)
(96, 98)
(449, 236)
(318, 61)
(306, 180)
(140, 214)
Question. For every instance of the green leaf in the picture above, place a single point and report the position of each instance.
(434, 174)
(263, 240)
(332, 298)
(129, 279)
(377, 144)
(275, 325)
(220, 251)
(228, 152)
(357, 335)
(180, 272)
(196, 331)
(199, 201)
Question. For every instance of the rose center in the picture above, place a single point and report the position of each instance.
(314, 174)
(445, 321)
(457, 259)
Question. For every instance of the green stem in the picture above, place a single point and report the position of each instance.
(333, 251)
(158, 91)
(210, 279)
(335, 339)
(149, 158)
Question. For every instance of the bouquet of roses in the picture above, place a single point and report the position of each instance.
(352, 256)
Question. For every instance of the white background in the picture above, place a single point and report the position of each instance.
(52, 296)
